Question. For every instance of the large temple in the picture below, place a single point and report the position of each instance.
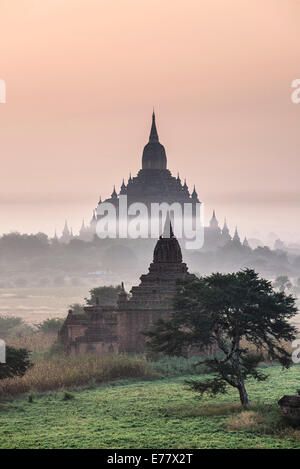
(154, 183)
(118, 329)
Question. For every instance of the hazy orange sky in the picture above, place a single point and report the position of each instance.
(83, 76)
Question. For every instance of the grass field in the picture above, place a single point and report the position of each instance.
(150, 414)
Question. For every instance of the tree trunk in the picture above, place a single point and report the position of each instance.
(243, 395)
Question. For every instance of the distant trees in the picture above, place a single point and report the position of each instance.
(36, 260)
(13, 325)
(230, 312)
(50, 325)
(23, 245)
(283, 283)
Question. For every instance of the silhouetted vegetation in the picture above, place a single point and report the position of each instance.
(106, 296)
(17, 363)
(51, 326)
(36, 260)
(225, 312)
(12, 325)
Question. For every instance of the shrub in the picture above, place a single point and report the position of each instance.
(67, 396)
(17, 363)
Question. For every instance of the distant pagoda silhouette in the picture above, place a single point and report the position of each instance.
(154, 183)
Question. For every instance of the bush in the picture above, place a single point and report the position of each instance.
(17, 363)
(68, 396)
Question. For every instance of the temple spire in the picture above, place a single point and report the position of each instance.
(66, 230)
(236, 236)
(168, 230)
(245, 243)
(82, 229)
(214, 222)
(153, 134)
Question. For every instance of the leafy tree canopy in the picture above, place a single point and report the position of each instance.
(107, 296)
(51, 325)
(228, 313)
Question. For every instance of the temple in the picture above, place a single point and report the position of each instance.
(154, 183)
(104, 330)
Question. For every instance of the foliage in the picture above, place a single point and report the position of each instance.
(224, 311)
(283, 283)
(12, 325)
(17, 363)
(77, 308)
(107, 295)
(50, 325)
(68, 396)
(46, 262)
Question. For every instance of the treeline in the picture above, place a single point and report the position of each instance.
(34, 259)
(268, 262)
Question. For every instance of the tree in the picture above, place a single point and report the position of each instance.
(107, 296)
(12, 325)
(228, 313)
(17, 363)
(77, 308)
(283, 283)
(51, 325)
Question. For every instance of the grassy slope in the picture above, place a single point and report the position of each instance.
(155, 414)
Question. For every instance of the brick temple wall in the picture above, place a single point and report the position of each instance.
(130, 326)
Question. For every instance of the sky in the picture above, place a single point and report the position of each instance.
(83, 76)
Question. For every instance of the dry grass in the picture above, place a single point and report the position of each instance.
(292, 433)
(264, 419)
(246, 420)
(208, 410)
(286, 345)
(55, 371)
(36, 342)
(62, 372)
